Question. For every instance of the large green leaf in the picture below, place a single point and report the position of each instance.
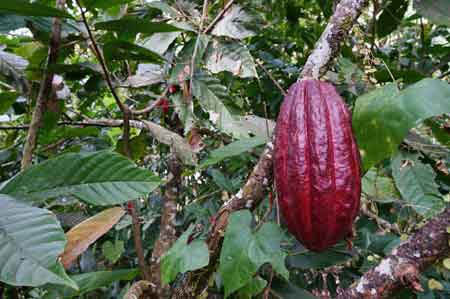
(243, 251)
(25, 8)
(7, 98)
(104, 4)
(383, 117)
(101, 178)
(92, 281)
(184, 256)
(31, 240)
(438, 11)
(134, 25)
(231, 150)
(415, 181)
(379, 187)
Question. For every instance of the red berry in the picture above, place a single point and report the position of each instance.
(172, 89)
(164, 104)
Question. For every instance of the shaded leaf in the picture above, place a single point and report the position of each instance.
(7, 98)
(146, 74)
(378, 187)
(415, 181)
(101, 178)
(383, 117)
(87, 232)
(92, 281)
(113, 251)
(104, 4)
(231, 150)
(391, 17)
(122, 50)
(134, 25)
(184, 256)
(254, 287)
(30, 241)
(25, 8)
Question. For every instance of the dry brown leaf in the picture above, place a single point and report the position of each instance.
(87, 232)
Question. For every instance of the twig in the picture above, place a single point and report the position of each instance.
(380, 221)
(126, 144)
(404, 265)
(218, 17)
(197, 43)
(151, 106)
(283, 92)
(45, 91)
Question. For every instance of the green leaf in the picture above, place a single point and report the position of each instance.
(391, 17)
(25, 8)
(379, 187)
(133, 25)
(104, 4)
(235, 266)
(231, 150)
(31, 240)
(287, 290)
(415, 181)
(254, 287)
(243, 252)
(7, 98)
(232, 57)
(122, 50)
(100, 178)
(233, 24)
(317, 260)
(383, 117)
(184, 256)
(94, 280)
(437, 11)
(113, 252)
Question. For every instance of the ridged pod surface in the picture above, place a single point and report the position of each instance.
(317, 165)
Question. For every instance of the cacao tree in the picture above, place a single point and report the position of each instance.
(139, 140)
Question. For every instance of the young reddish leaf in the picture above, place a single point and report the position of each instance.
(87, 232)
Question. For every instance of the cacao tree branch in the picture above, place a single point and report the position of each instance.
(402, 267)
(252, 193)
(167, 233)
(45, 91)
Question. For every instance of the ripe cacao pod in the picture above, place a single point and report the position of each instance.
(317, 165)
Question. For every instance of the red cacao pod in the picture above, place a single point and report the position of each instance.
(317, 165)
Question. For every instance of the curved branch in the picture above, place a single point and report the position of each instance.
(403, 266)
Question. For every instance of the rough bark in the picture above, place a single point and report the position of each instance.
(403, 266)
(254, 189)
(45, 92)
(167, 233)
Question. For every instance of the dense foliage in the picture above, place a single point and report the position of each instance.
(207, 91)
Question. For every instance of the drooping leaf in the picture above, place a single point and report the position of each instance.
(92, 281)
(391, 17)
(87, 232)
(383, 117)
(415, 181)
(243, 252)
(438, 11)
(134, 25)
(30, 241)
(25, 8)
(184, 256)
(232, 57)
(101, 178)
(122, 50)
(232, 149)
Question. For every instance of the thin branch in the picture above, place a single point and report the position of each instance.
(218, 17)
(275, 82)
(404, 265)
(380, 221)
(126, 145)
(45, 92)
(197, 43)
(152, 106)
